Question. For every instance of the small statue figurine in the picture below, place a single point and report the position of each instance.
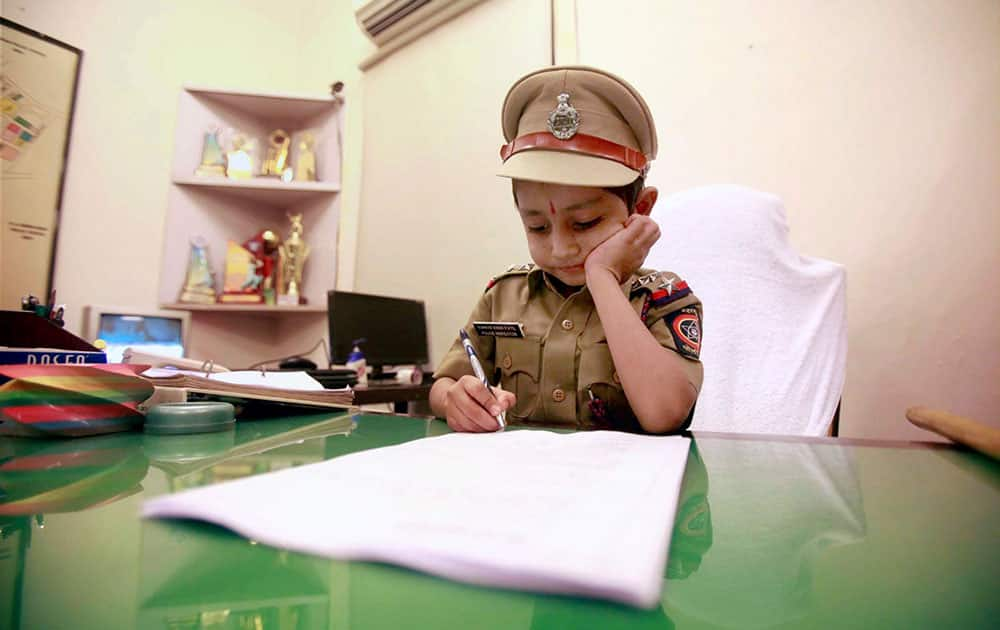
(305, 159)
(213, 160)
(270, 241)
(264, 248)
(292, 253)
(199, 285)
(276, 161)
(239, 164)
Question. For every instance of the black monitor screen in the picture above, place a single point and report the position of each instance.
(395, 329)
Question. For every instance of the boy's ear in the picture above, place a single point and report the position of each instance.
(646, 200)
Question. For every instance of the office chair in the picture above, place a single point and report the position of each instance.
(775, 325)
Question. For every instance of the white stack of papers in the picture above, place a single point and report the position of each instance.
(297, 381)
(583, 513)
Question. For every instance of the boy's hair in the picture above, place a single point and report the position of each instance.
(629, 193)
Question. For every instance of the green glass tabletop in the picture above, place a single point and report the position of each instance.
(770, 532)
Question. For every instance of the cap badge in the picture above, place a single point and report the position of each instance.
(564, 120)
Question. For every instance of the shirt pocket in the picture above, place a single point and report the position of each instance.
(609, 408)
(518, 360)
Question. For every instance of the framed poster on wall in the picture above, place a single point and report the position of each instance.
(38, 78)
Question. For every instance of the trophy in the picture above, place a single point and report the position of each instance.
(292, 254)
(213, 160)
(276, 161)
(242, 283)
(199, 286)
(239, 164)
(305, 158)
(264, 247)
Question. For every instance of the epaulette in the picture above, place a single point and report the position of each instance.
(663, 287)
(513, 270)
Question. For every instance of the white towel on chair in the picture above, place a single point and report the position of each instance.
(775, 331)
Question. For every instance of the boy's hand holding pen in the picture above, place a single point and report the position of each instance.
(474, 404)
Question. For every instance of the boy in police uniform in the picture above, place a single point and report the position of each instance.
(584, 337)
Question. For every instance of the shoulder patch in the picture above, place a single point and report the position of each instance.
(663, 288)
(513, 270)
(685, 328)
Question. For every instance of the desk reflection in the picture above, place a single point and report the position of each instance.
(94, 474)
(776, 507)
(194, 575)
(745, 538)
(46, 476)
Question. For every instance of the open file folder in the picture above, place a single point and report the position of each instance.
(248, 386)
(583, 514)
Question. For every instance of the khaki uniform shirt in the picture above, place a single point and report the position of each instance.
(561, 370)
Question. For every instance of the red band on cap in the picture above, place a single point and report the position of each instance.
(580, 143)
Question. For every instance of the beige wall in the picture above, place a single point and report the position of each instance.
(136, 57)
(879, 125)
(437, 224)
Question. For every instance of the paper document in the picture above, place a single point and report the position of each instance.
(584, 513)
(298, 381)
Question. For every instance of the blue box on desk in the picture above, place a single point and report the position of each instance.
(50, 356)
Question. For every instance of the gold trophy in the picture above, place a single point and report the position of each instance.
(199, 285)
(276, 161)
(292, 255)
(305, 159)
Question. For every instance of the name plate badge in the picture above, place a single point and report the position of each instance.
(499, 329)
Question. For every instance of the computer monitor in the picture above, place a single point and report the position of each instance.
(394, 329)
(155, 331)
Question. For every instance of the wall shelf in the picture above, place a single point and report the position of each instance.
(266, 190)
(244, 308)
(275, 105)
(218, 210)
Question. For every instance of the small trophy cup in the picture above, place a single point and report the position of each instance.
(276, 161)
(305, 159)
(199, 286)
(292, 254)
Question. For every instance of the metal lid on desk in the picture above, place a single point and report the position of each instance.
(190, 417)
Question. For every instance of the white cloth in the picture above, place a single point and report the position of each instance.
(775, 329)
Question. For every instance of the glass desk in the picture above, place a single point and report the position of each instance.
(797, 533)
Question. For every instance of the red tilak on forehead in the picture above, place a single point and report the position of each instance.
(552, 209)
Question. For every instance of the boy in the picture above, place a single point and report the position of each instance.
(590, 340)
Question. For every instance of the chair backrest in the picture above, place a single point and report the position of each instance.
(775, 331)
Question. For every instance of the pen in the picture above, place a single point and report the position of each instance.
(478, 369)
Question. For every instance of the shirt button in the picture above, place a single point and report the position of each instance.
(558, 395)
(567, 324)
(507, 362)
